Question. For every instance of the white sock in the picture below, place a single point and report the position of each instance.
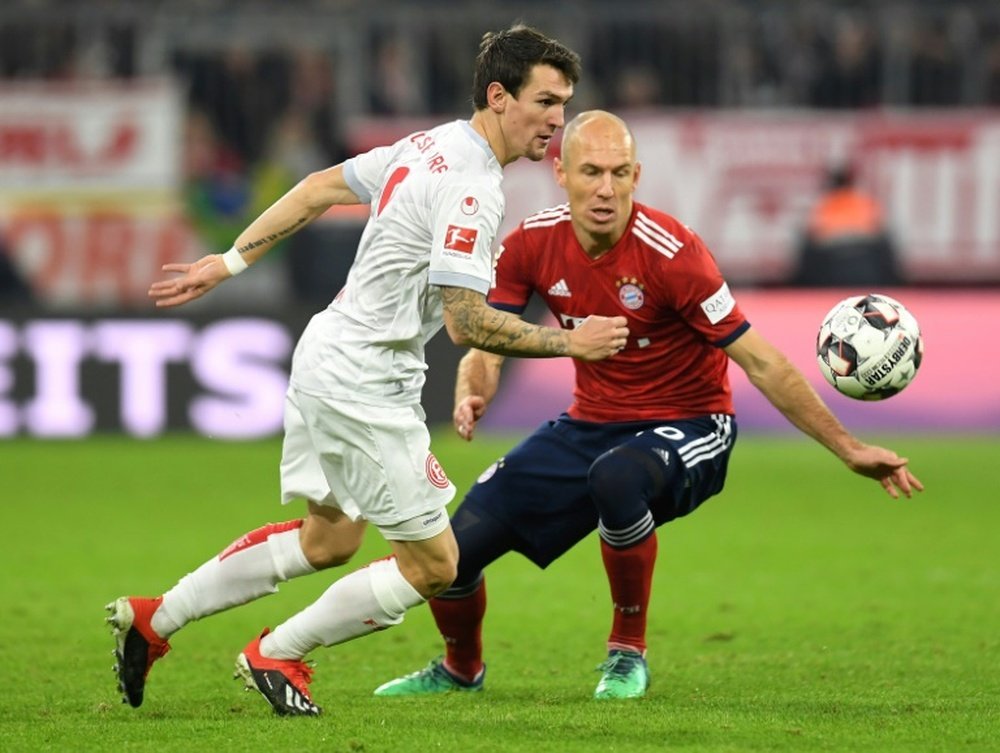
(249, 568)
(373, 598)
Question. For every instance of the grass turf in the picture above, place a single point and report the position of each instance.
(801, 610)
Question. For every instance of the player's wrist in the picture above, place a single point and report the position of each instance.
(571, 348)
(234, 261)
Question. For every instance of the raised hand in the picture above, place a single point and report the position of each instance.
(196, 279)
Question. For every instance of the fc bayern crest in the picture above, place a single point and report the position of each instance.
(488, 473)
(630, 293)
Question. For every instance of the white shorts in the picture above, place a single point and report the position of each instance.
(371, 462)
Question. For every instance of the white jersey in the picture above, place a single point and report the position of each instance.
(436, 207)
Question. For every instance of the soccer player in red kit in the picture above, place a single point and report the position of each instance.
(649, 434)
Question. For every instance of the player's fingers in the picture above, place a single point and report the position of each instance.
(889, 487)
(176, 300)
(170, 286)
(175, 267)
(907, 482)
(461, 421)
(903, 484)
(166, 291)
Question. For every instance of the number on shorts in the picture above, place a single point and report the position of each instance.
(667, 432)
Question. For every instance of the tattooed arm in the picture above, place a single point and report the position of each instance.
(471, 321)
(306, 201)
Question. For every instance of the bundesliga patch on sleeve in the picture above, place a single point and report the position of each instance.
(719, 304)
(461, 239)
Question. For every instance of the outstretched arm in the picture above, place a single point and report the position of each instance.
(471, 321)
(781, 383)
(475, 387)
(306, 201)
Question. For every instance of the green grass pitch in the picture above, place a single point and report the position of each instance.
(801, 610)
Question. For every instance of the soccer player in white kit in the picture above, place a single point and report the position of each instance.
(356, 446)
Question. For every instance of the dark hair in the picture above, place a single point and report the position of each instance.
(508, 57)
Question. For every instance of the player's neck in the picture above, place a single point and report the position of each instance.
(485, 125)
(595, 246)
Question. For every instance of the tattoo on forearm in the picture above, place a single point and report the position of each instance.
(272, 237)
(496, 331)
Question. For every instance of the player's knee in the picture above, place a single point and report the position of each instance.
(323, 555)
(465, 585)
(329, 547)
(431, 578)
(618, 473)
(622, 481)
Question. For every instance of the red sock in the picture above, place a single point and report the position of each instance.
(461, 624)
(630, 575)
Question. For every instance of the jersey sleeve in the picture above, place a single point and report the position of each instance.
(364, 173)
(706, 301)
(511, 289)
(465, 220)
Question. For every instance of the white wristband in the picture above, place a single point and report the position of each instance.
(234, 261)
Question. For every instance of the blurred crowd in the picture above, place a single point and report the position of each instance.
(265, 95)
(270, 98)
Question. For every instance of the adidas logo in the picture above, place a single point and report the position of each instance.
(295, 700)
(560, 289)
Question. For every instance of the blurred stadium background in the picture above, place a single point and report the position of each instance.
(132, 134)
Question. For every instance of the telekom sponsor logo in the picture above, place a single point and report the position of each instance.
(435, 473)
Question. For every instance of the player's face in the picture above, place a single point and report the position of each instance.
(530, 120)
(599, 172)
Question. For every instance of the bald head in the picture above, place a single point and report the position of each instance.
(599, 171)
(596, 129)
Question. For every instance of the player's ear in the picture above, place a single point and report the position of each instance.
(635, 175)
(496, 97)
(557, 169)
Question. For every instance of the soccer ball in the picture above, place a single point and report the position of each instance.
(869, 347)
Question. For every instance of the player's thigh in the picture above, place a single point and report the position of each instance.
(302, 474)
(538, 492)
(378, 464)
(700, 448)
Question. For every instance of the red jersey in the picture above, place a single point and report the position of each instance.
(661, 277)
